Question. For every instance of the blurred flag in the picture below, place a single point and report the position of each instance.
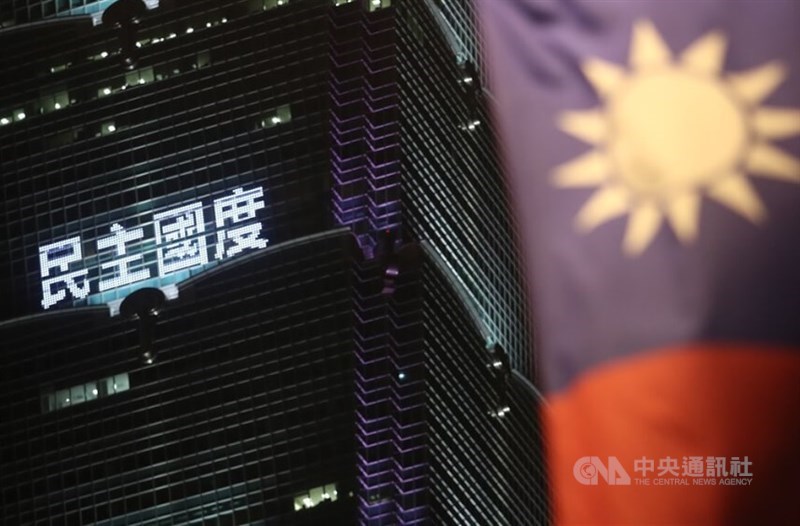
(654, 160)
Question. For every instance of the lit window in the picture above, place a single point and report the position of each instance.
(20, 115)
(108, 127)
(62, 398)
(121, 383)
(4, 121)
(139, 77)
(77, 394)
(203, 59)
(60, 67)
(374, 5)
(502, 411)
(315, 496)
(53, 102)
(271, 4)
(87, 392)
(280, 115)
(190, 30)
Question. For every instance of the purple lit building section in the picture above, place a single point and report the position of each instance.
(392, 468)
(364, 124)
(391, 431)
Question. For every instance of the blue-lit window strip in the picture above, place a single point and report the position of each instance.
(82, 7)
(109, 296)
(87, 392)
(94, 8)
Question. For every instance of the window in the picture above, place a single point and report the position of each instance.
(203, 59)
(266, 5)
(120, 383)
(374, 5)
(315, 496)
(52, 401)
(278, 116)
(53, 102)
(138, 77)
(60, 67)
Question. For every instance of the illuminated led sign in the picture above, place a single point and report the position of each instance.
(180, 243)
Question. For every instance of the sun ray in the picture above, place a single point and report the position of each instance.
(736, 192)
(776, 123)
(766, 160)
(605, 204)
(706, 55)
(673, 130)
(755, 85)
(590, 169)
(604, 77)
(648, 48)
(642, 228)
(589, 126)
(683, 213)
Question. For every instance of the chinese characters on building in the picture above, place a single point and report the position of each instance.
(180, 243)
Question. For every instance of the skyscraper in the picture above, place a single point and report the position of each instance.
(258, 269)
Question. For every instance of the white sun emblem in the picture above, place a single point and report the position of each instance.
(672, 130)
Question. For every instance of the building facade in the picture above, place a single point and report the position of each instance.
(258, 269)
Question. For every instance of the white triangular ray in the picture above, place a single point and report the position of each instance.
(707, 54)
(589, 126)
(605, 204)
(768, 161)
(736, 192)
(755, 85)
(642, 228)
(776, 123)
(604, 76)
(683, 214)
(647, 47)
(590, 169)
